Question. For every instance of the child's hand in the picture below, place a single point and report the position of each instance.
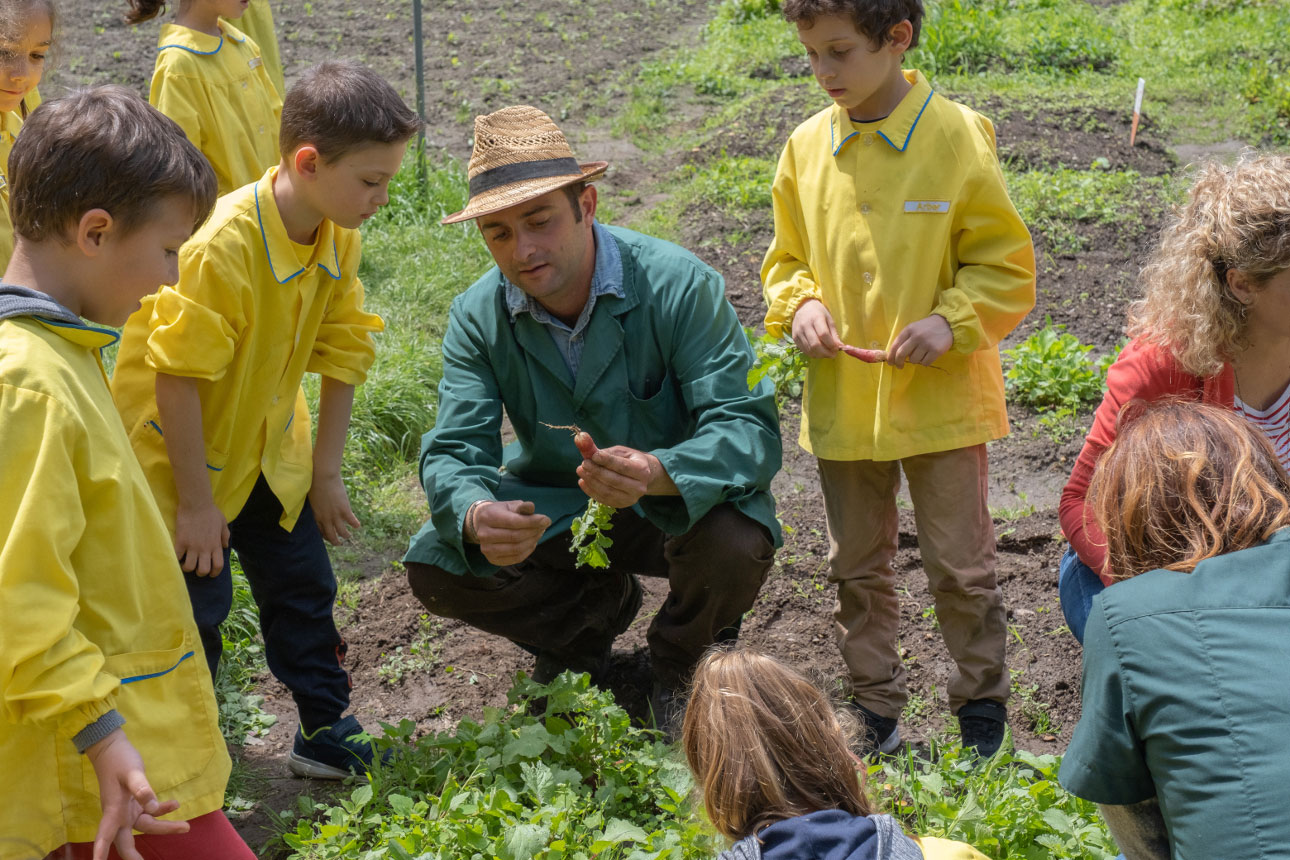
(127, 800)
(330, 502)
(814, 332)
(921, 342)
(201, 533)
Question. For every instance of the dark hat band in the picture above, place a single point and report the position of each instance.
(507, 174)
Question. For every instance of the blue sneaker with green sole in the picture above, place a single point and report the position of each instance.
(331, 752)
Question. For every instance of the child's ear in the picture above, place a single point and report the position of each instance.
(901, 35)
(306, 160)
(92, 230)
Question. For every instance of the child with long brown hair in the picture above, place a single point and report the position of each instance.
(1182, 732)
(778, 778)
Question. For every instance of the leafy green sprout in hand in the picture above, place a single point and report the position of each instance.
(590, 542)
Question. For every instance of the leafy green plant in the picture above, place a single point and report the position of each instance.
(1009, 806)
(743, 11)
(421, 654)
(589, 539)
(779, 360)
(1033, 710)
(573, 782)
(1051, 369)
(959, 36)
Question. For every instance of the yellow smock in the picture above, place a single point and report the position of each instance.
(94, 614)
(220, 93)
(947, 849)
(257, 22)
(887, 223)
(251, 314)
(10, 125)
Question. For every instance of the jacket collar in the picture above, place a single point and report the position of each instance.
(278, 246)
(194, 41)
(897, 128)
(80, 334)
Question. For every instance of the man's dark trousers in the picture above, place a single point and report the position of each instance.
(546, 604)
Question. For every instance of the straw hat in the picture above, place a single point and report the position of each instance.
(519, 154)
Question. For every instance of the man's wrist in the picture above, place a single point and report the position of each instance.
(469, 531)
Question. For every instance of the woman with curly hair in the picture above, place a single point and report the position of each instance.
(1183, 722)
(1213, 325)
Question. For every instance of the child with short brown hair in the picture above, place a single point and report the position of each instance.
(777, 777)
(101, 670)
(896, 240)
(208, 384)
(26, 38)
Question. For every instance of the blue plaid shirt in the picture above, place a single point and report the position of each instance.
(606, 279)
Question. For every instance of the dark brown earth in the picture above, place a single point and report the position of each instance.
(570, 57)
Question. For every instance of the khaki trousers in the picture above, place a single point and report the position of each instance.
(956, 539)
(544, 603)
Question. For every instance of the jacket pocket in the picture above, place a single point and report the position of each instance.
(933, 397)
(657, 420)
(166, 699)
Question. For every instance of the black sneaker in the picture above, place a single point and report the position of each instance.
(877, 734)
(982, 723)
(331, 752)
(550, 664)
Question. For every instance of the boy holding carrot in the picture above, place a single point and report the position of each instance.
(895, 242)
(208, 384)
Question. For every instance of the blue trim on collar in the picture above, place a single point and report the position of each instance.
(259, 217)
(60, 324)
(838, 148)
(194, 50)
(910, 133)
(135, 678)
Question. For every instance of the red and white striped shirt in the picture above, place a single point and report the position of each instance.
(1274, 422)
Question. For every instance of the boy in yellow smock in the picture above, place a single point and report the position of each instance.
(105, 704)
(208, 384)
(894, 233)
(211, 79)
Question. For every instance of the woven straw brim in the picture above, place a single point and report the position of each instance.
(506, 196)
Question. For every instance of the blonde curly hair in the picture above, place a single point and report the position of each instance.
(1236, 218)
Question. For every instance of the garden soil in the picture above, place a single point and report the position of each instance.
(486, 54)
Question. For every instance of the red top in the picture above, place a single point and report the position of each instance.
(1143, 371)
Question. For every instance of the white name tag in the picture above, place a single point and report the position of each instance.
(254, 62)
(927, 206)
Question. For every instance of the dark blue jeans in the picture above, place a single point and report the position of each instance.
(293, 585)
(1077, 585)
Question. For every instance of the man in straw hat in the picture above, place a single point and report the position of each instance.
(630, 339)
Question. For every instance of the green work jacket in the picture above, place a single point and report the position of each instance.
(1185, 699)
(664, 369)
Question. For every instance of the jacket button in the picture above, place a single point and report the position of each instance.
(864, 208)
(868, 277)
(868, 140)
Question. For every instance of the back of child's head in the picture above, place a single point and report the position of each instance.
(102, 148)
(1184, 482)
(872, 18)
(1236, 219)
(765, 745)
(338, 106)
(144, 10)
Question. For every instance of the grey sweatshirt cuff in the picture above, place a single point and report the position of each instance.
(98, 730)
